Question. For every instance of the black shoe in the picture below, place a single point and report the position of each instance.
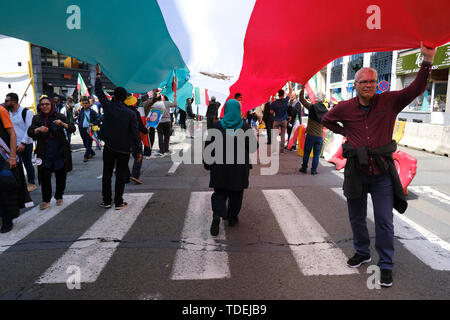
(121, 206)
(314, 173)
(6, 227)
(302, 170)
(386, 278)
(105, 205)
(233, 221)
(215, 226)
(358, 260)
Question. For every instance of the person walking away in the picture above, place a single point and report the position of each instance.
(190, 118)
(368, 122)
(53, 148)
(268, 121)
(211, 112)
(230, 179)
(120, 133)
(279, 110)
(147, 104)
(294, 111)
(137, 165)
(314, 131)
(21, 118)
(164, 127)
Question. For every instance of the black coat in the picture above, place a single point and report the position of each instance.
(232, 176)
(212, 110)
(40, 137)
(119, 129)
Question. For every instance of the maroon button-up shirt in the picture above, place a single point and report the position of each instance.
(374, 129)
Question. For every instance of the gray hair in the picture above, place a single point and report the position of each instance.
(320, 97)
(213, 98)
(365, 70)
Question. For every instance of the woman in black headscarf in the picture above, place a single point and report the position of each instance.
(47, 128)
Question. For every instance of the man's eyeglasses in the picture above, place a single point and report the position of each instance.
(364, 82)
(7, 100)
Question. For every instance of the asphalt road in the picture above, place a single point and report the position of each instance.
(292, 241)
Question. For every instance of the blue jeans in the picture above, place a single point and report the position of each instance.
(314, 143)
(25, 156)
(382, 192)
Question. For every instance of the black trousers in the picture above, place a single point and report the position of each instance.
(219, 203)
(87, 142)
(151, 135)
(120, 161)
(164, 136)
(209, 122)
(46, 183)
(269, 127)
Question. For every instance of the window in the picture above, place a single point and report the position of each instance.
(439, 96)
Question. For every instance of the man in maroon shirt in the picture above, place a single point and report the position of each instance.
(368, 122)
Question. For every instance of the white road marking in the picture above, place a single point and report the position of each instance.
(197, 260)
(429, 248)
(92, 255)
(33, 219)
(315, 255)
(432, 193)
(185, 147)
(174, 167)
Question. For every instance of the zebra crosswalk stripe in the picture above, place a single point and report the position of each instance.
(429, 248)
(96, 246)
(33, 219)
(308, 240)
(199, 260)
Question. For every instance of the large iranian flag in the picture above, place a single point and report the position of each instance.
(231, 46)
(81, 87)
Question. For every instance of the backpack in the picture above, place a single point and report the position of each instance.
(24, 114)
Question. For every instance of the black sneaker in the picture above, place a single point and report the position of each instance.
(358, 260)
(6, 227)
(105, 205)
(215, 226)
(121, 206)
(386, 278)
(314, 173)
(302, 170)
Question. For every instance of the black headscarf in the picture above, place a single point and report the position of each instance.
(317, 112)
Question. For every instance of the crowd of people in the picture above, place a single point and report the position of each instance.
(367, 121)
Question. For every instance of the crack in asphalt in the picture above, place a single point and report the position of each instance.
(183, 244)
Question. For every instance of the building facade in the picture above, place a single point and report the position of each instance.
(56, 73)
